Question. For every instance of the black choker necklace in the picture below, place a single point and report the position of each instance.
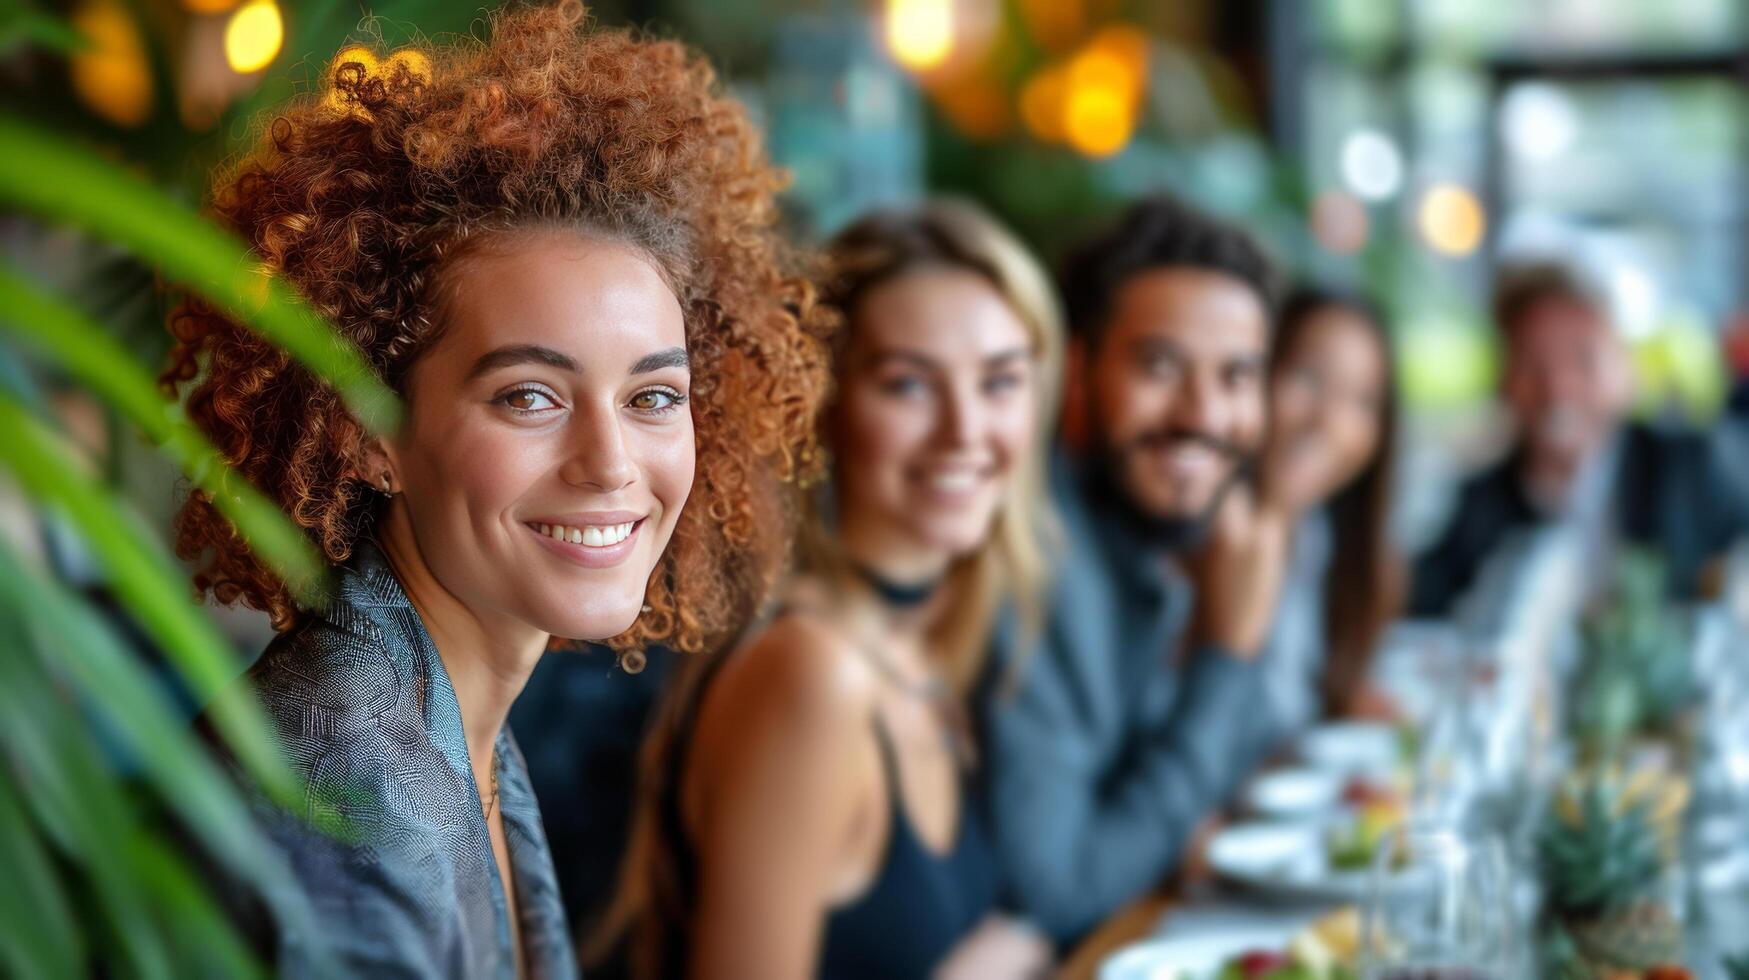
(896, 594)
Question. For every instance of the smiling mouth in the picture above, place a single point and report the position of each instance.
(589, 536)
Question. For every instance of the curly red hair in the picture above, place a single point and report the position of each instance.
(359, 194)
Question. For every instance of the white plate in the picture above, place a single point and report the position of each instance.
(1351, 748)
(1285, 861)
(1186, 958)
(1289, 793)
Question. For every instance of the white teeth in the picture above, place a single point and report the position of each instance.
(590, 537)
(954, 482)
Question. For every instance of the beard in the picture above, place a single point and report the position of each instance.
(1178, 533)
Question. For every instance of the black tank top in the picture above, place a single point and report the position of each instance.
(920, 904)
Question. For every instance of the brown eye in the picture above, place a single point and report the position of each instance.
(656, 400)
(527, 400)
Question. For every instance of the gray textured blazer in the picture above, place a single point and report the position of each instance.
(371, 726)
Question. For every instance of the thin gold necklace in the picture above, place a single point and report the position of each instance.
(492, 803)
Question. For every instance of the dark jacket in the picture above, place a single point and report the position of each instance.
(582, 721)
(370, 723)
(1103, 750)
(1670, 490)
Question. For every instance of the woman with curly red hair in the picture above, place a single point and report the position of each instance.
(557, 245)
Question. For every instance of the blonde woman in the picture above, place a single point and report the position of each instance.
(808, 809)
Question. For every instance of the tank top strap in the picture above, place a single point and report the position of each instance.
(890, 770)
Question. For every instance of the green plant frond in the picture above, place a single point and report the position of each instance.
(202, 932)
(148, 584)
(38, 937)
(82, 349)
(191, 784)
(21, 23)
(80, 804)
(105, 200)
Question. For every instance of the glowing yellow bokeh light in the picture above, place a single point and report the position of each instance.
(1129, 46)
(1099, 111)
(356, 53)
(414, 61)
(253, 36)
(1452, 220)
(1097, 68)
(1098, 121)
(111, 74)
(920, 32)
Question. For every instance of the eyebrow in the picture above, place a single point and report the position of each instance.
(1156, 346)
(1162, 346)
(672, 357)
(514, 354)
(916, 357)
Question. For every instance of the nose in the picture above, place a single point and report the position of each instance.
(962, 418)
(1202, 406)
(596, 456)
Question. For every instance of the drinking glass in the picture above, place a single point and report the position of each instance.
(1439, 907)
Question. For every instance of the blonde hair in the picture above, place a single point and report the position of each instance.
(1010, 566)
(653, 900)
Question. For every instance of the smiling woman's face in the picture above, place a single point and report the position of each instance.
(548, 448)
(936, 411)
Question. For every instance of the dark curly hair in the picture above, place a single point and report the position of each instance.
(1155, 232)
(363, 192)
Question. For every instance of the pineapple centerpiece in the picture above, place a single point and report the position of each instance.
(1605, 855)
(1635, 681)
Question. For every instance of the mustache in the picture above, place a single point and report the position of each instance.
(1161, 439)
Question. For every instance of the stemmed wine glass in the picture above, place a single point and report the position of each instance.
(1439, 907)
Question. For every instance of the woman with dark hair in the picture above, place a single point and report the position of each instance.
(807, 808)
(1323, 488)
(1330, 463)
(558, 246)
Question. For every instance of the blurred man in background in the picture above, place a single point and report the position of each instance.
(1112, 733)
(1576, 462)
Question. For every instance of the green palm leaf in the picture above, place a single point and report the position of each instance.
(21, 23)
(134, 705)
(82, 349)
(82, 806)
(81, 809)
(148, 583)
(107, 201)
(39, 938)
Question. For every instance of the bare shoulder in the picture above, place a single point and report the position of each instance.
(784, 721)
(800, 668)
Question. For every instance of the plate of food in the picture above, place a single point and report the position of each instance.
(1317, 860)
(1294, 792)
(1353, 748)
(1325, 950)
